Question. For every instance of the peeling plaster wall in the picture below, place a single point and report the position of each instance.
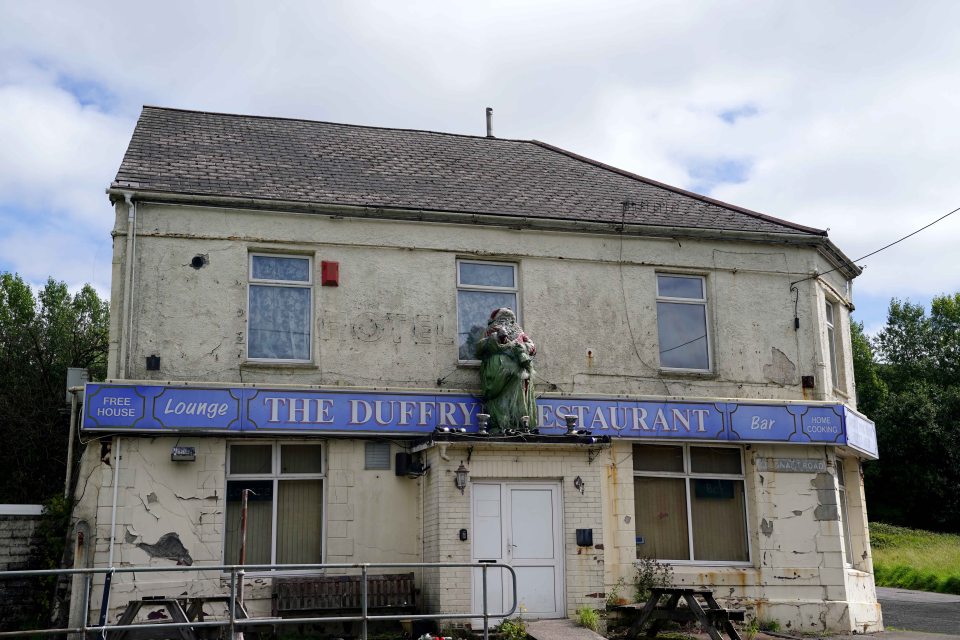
(392, 324)
(797, 574)
(171, 513)
(156, 498)
(396, 304)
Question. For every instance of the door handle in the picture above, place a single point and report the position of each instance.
(487, 561)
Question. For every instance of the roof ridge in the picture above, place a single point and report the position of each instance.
(684, 192)
(336, 124)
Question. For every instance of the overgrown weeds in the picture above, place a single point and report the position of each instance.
(650, 574)
(915, 559)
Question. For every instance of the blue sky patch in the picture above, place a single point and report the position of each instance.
(730, 116)
(88, 93)
(706, 174)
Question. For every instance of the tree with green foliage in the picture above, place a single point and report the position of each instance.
(41, 335)
(908, 382)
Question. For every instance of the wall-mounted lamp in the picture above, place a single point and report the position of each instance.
(571, 421)
(579, 485)
(460, 479)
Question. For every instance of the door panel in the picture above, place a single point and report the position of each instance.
(536, 586)
(487, 524)
(531, 514)
(519, 524)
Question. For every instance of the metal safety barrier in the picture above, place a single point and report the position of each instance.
(237, 573)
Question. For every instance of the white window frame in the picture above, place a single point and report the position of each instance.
(831, 314)
(844, 515)
(515, 289)
(688, 474)
(297, 284)
(275, 476)
(691, 301)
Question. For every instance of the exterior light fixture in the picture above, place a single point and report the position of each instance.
(183, 454)
(579, 484)
(460, 479)
(571, 420)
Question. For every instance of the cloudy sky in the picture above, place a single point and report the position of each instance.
(840, 115)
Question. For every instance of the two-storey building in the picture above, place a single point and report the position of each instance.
(298, 303)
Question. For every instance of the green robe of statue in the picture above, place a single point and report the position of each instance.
(506, 373)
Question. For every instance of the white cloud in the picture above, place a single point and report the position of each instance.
(854, 106)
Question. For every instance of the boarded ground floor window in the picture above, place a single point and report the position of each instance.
(284, 506)
(689, 503)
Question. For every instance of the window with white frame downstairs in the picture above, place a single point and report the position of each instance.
(284, 502)
(689, 503)
(280, 308)
(482, 288)
(844, 516)
(682, 322)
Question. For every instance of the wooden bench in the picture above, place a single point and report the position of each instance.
(392, 592)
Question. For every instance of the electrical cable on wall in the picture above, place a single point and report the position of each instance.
(623, 293)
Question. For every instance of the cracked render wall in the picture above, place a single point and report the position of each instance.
(172, 513)
(392, 324)
(392, 320)
(798, 574)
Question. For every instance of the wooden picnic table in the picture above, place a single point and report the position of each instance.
(709, 614)
(189, 609)
(153, 628)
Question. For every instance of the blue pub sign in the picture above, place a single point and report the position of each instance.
(142, 408)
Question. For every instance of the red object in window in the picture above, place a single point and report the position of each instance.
(329, 273)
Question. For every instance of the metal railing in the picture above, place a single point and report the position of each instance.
(237, 573)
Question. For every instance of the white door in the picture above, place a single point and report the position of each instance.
(518, 524)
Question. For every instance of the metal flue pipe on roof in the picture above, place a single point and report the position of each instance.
(490, 122)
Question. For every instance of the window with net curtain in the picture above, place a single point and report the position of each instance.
(482, 287)
(284, 508)
(689, 503)
(280, 308)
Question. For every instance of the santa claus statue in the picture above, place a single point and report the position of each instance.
(506, 371)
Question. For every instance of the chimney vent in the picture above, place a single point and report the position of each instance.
(490, 122)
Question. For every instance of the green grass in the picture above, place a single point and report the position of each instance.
(914, 559)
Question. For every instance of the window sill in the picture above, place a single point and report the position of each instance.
(684, 373)
(258, 364)
(727, 564)
(468, 364)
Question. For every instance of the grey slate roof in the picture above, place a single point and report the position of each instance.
(214, 154)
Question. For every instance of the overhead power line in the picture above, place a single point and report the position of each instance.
(883, 248)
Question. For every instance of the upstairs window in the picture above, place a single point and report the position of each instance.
(280, 308)
(831, 313)
(682, 322)
(482, 287)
